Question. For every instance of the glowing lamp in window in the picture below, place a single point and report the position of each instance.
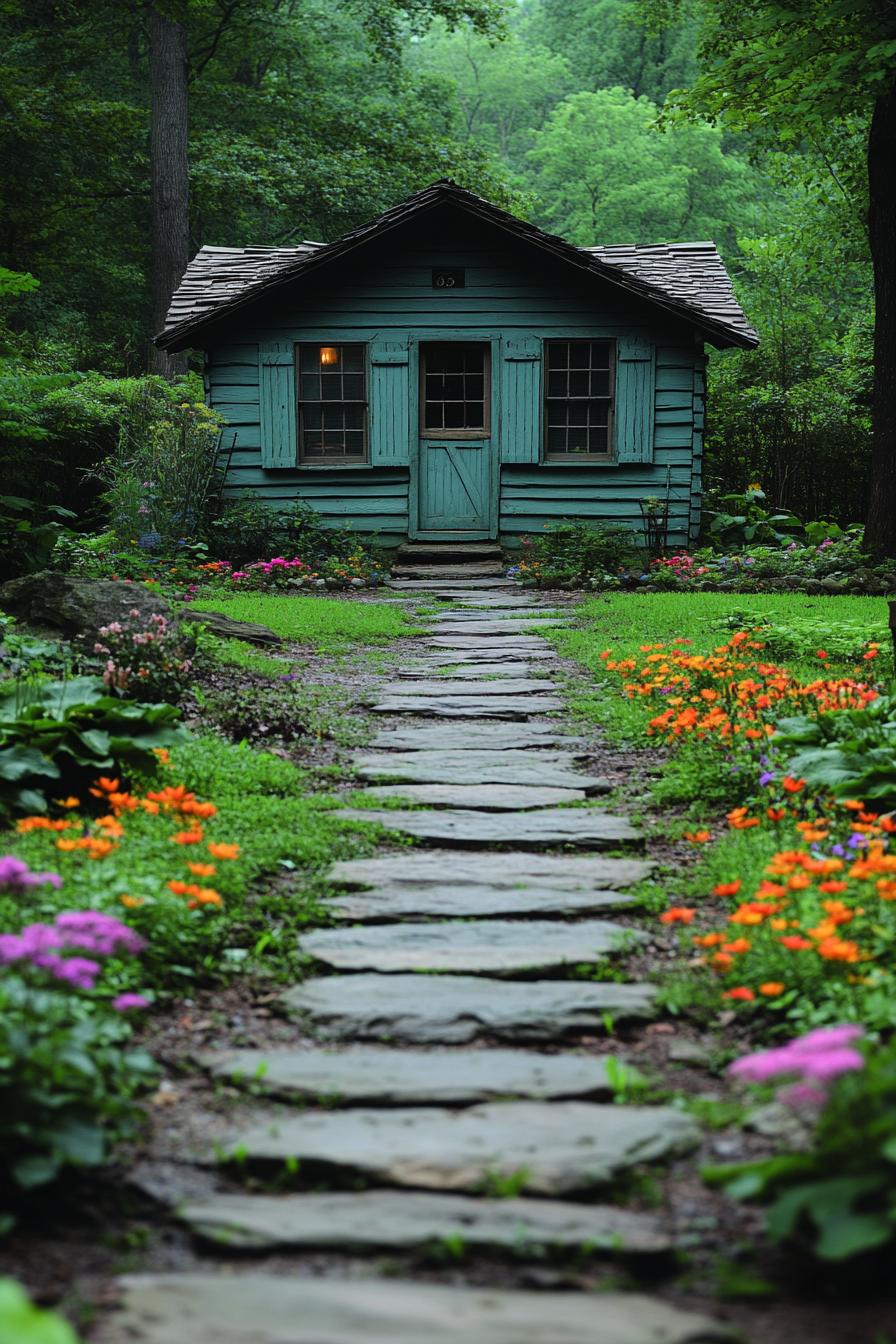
(329, 355)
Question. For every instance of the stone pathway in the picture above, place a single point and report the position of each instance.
(440, 1105)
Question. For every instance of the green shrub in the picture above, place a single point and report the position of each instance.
(850, 753)
(56, 736)
(571, 551)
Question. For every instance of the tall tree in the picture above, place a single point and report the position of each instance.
(785, 71)
(169, 173)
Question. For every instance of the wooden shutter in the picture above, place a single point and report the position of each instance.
(277, 404)
(389, 403)
(520, 403)
(635, 384)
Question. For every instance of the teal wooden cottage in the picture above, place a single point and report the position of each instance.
(449, 372)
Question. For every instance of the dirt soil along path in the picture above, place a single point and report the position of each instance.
(451, 1119)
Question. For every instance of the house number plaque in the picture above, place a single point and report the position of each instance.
(448, 277)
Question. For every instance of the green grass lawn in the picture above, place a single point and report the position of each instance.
(800, 626)
(326, 624)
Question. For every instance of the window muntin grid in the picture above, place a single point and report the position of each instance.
(332, 403)
(454, 392)
(578, 400)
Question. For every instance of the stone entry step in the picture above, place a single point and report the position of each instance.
(483, 797)
(442, 686)
(583, 827)
(468, 705)
(566, 872)
(468, 901)
(523, 769)
(490, 947)
(447, 552)
(546, 1148)
(475, 569)
(491, 736)
(453, 1009)
(415, 1220)
(375, 1075)
(457, 585)
(275, 1309)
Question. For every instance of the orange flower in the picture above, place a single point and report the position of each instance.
(678, 914)
(105, 785)
(741, 993)
(708, 939)
(794, 943)
(162, 755)
(772, 988)
(723, 961)
(820, 653)
(888, 824)
(208, 896)
(791, 785)
(27, 824)
(886, 889)
(193, 837)
(182, 888)
(727, 888)
(194, 809)
(67, 802)
(131, 902)
(739, 821)
(222, 851)
(838, 949)
(776, 813)
(149, 806)
(831, 887)
(110, 826)
(202, 869)
(736, 946)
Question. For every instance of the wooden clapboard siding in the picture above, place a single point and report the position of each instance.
(506, 299)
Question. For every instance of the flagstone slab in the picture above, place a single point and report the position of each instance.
(583, 827)
(482, 797)
(413, 1220)
(425, 669)
(508, 625)
(453, 1009)
(473, 947)
(549, 1148)
(468, 706)
(465, 900)
(569, 872)
(524, 769)
(442, 686)
(484, 644)
(492, 611)
(376, 1075)
(286, 1309)
(489, 736)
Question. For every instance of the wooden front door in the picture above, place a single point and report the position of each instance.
(454, 483)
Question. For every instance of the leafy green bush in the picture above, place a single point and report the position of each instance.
(57, 735)
(247, 530)
(837, 1198)
(571, 551)
(148, 654)
(750, 523)
(23, 1323)
(850, 753)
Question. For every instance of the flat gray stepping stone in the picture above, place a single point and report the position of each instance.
(464, 672)
(468, 706)
(506, 626)
(474, 947)
(479, 614)
(410, 1219)
(538, 769)
(442, 686)
(568, 872)
(584, 827)
(453, 1009)
(550, 1148)
(287, 1309)
(491, 736)
(465, 900)
(485, 797)
(380, 1076)
(476, 644)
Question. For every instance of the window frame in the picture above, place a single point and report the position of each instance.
(559, 459)
(459, 434)
(304, 462)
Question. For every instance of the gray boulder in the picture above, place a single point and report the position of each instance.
(76, 606)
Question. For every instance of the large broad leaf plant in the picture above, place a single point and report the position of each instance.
(57, 735)
(850, 753)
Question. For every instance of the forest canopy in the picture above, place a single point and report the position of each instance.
(308, 118)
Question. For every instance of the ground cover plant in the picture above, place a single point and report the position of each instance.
(784, 775)
(329, 625)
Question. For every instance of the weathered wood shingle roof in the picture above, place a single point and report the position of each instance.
(686, 279)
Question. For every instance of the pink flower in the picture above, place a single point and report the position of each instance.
(125, 1002)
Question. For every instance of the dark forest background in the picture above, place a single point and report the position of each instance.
(307, 118)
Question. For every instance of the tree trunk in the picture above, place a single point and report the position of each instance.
(880, 533)
(169, 175)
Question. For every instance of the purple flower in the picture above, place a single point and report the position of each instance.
(838, 850)
(17, 876)
(825, 1065)
(766, 778)
(125, 1002)
(813, 1060)
(857, 840)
